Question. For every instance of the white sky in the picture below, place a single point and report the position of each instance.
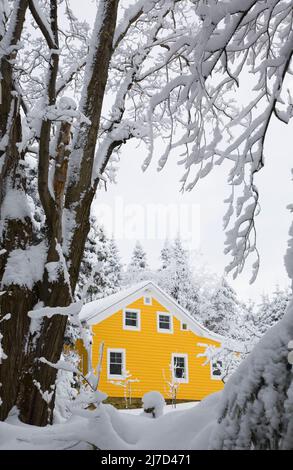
(135, 187)
(274, 183)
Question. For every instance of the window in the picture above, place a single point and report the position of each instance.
(131, 319)
(147, 300)
(116, 363)
(165, 324)
(183, 326)
(180, 367)
(216, 369)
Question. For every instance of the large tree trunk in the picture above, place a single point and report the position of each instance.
(16, 232)
(36, 377)
(27, 382)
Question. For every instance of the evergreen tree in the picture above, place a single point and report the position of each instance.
(138, 269)
(166, 255)
(176, 277)
(181, 282)
(222, 310)
(138, 259)
(100, 273)
(271, 310)
(113, 268)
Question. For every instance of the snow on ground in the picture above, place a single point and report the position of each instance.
(167, 408)
(188, 427)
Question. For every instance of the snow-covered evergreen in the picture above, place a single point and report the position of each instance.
(166, 255)
(271, 309)
(138, 268)
(113, 268)
(100, 273)
(223, 309)
(138, 259)
(176, 278)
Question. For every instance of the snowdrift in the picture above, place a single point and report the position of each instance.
(109, 429)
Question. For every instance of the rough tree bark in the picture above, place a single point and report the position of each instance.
(22, 375)
(17, 233)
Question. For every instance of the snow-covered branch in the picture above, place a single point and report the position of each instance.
(71, 311)
(232, 41)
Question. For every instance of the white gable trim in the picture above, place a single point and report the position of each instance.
(151, 289)
(115, 307)
(182, 315)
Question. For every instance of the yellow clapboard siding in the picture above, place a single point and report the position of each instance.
(149, 353)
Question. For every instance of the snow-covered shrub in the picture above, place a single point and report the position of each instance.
(256, 408)
(153, 404)
(66, 390)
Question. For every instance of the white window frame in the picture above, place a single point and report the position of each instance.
(145, 300)
(116, 376)
(163, 330)
(128, 327)
(181, 327)
(176, 379)
(214, 377)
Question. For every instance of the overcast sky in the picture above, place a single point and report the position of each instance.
(127, 208)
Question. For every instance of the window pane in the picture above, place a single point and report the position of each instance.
(165, 318)
(179, 373)
(180, 362)
(131, 315)
(130, 322)
(115, 363)
(164, 322)
(179, 367)
(115, 358)
(131, 319)
(115, 369)
(217, 368)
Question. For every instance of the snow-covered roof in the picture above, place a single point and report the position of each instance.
(96, 311)
(92, 310)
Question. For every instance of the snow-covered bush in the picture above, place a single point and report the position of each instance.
(153, 404)
(256, 408)
(66, 392)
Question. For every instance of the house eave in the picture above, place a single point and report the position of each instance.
(165, 299)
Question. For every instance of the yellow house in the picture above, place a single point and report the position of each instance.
(149, 342)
